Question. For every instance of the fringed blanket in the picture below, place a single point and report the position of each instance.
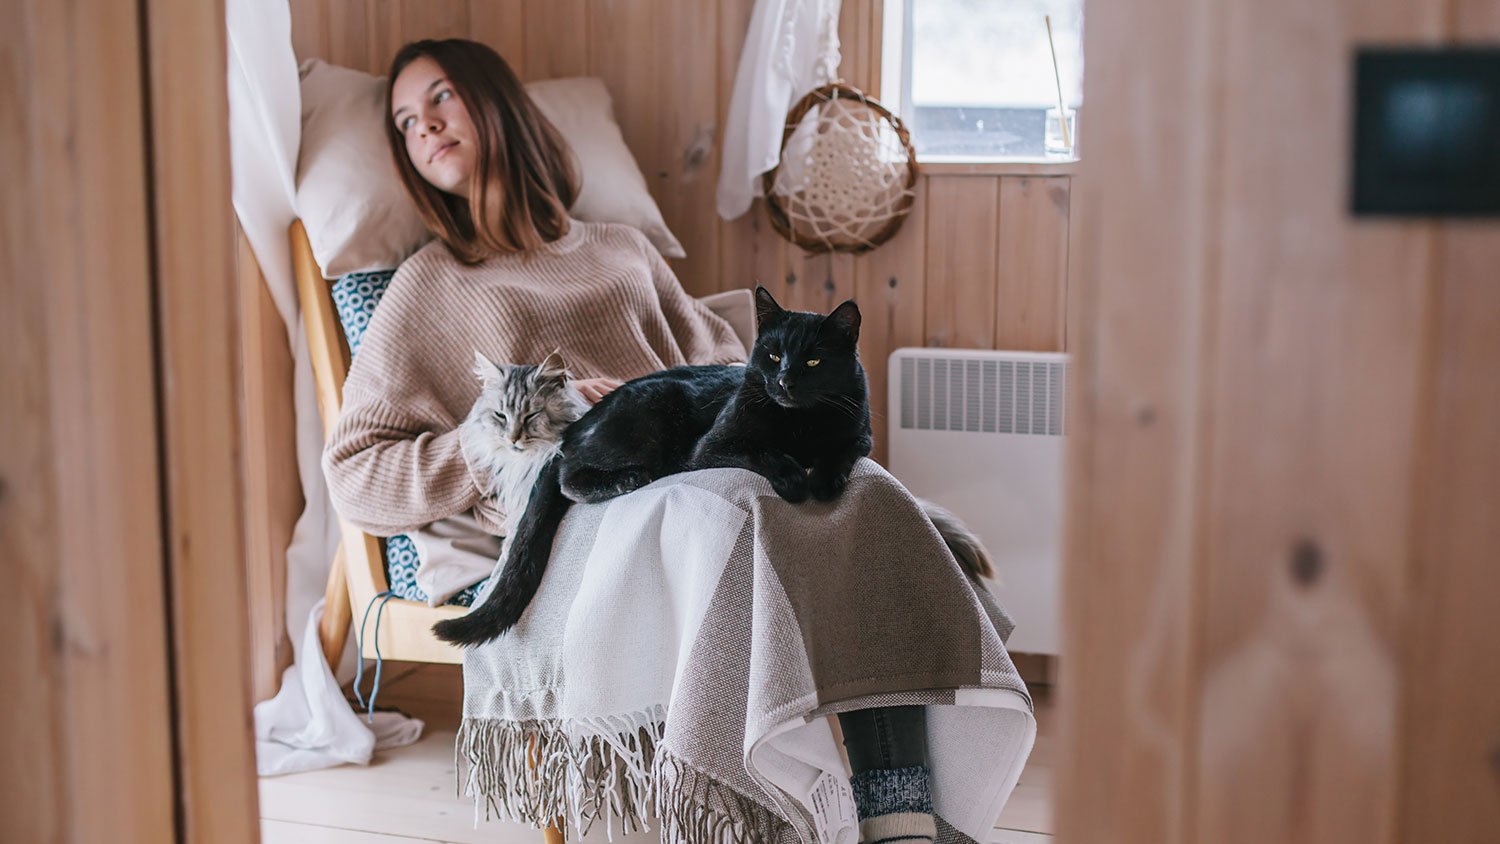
(689, 641)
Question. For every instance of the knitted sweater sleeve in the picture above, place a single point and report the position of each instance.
(393, 461)
(703, 335)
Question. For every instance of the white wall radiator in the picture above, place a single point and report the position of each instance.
(981, 433)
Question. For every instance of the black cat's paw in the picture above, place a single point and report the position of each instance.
(826, 486)
(630, 480)
(590, 486)
(790, 484)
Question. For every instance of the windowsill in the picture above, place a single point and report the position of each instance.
(956, 165)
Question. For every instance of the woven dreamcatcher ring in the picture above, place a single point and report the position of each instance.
(847, 175)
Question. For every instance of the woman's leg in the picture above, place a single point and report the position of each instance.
(887, 749)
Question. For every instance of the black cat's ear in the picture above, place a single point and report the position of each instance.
(486, 370)
(766, 307)
(844, 320)
(553, 368)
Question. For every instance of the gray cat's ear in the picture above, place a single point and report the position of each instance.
(553, 368)
(486, 370)
(766, 306)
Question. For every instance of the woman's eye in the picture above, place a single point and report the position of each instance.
(814, 361)
(442, 95)
(775, 358)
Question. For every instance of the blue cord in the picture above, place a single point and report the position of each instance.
(359, 670)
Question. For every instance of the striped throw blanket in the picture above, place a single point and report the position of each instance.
(690, 640)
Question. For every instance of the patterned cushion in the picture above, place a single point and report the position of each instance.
(401, 570)
(354, 297)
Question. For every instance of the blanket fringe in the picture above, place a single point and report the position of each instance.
(533, 772)
(695, 808)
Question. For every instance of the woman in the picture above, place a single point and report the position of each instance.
(511, 275)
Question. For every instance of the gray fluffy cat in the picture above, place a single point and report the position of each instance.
(515, 425)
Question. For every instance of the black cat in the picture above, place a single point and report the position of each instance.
(797, 413)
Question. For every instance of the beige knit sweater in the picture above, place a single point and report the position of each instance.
(601, 294)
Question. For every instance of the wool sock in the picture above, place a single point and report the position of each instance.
(895, 805)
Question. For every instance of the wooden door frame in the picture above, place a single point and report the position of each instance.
(127, 696)
(1280, 590)
(199, 324)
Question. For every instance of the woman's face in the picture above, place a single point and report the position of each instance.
(440, 138)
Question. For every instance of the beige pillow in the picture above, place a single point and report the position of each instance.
(356, 212)
(613, 191)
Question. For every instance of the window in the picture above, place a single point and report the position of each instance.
(973, 78)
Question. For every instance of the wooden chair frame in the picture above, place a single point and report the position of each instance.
(358, 571)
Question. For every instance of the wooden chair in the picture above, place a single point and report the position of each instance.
(358, 572)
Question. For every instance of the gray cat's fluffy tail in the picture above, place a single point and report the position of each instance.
(966, 547)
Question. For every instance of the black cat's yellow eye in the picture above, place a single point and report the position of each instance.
(776, 358)
(814, 361)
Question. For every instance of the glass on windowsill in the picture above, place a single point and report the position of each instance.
(1053, 142)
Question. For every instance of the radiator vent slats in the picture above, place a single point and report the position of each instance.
(983, 395)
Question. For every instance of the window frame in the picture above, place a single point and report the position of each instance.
(895, 78)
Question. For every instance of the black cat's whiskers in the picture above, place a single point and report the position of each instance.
(840, 404)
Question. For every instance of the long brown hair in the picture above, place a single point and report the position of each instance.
(523, 181)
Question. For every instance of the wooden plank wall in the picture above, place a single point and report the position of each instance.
(198, 339)
(86, 749)
(273, 490)
(1280, 582)
(982, 261)
(127, 711)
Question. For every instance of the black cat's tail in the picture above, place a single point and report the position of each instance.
(525, 564)
(966, 547)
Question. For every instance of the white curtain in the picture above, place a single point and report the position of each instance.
(792, 47)
(308, 724)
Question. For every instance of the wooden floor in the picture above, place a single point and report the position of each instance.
(407, 795)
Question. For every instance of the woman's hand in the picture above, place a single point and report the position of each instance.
(594, 389)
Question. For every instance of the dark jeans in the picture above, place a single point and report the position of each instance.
(885, 737)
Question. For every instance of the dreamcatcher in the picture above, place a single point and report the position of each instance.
(847, 175)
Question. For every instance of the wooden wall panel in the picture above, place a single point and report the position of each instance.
(198, 353)
(310, 26)
(888, 285)
(557, 39)
(434, 19)
(1451, 711)
(618, 31)
(1318, 339)
(127, 714)
(501, 24)
(1125, 773)
(347, 26)
(273, 491)
(387, 33)
(688, 105)
(1451, 699)
(1281, 643)
(1032, 264)
(87, 738)
(962, 246)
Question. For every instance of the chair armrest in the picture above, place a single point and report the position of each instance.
(736, 307)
